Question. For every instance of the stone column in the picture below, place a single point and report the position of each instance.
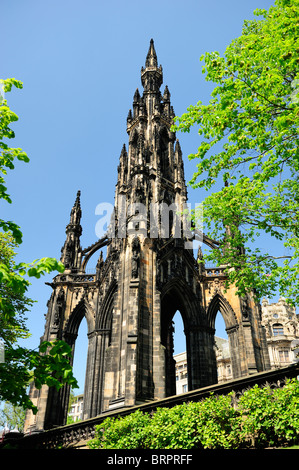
(237, 352)
(159, 372)
(201, 359)
(93, 390)
(132, 345)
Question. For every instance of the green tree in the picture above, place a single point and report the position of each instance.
(12, 327)
(12, 416)
(248, 153)
(50, 364)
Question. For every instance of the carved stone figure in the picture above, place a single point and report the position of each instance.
(135, 258)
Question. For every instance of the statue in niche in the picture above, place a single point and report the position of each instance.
(135, 258)
(58, 311)
(68, 250)
(245, 308)
(99, 266)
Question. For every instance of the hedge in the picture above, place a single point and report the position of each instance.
(262, 417)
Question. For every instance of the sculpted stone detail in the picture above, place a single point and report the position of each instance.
(135, 258)
(58, 311)
(215, 286)
(245, 307)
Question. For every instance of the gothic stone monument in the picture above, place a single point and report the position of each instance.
(148, 275)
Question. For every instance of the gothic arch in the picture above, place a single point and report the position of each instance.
(179, 296)
(57, 405)
(99, 342)
(106, 311)
(176, 295)
(219, 303)
(83, 309)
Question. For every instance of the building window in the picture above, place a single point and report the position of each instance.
(277, 330)
(283, 355)
(185, 388)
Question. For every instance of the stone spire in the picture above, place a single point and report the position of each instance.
(151, 58)
(71, 250)
(151, 169)
(151, 75)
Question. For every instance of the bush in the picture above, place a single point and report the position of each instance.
(121, 433)
(270, 417)
(263, 417)
(206, 424)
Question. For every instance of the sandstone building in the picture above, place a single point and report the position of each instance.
(282, 332)
(149, 274)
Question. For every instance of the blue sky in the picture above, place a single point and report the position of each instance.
(80, 64)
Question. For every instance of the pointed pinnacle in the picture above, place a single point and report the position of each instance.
(77, 204)
(136, 96)
(178, 146)
(129, 117)
(77, 207)
(75, 217)
(151, 58)
(123, 151)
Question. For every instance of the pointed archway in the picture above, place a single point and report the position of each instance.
(219, 304)
(177, 295)
(80, 356)
(180, 355)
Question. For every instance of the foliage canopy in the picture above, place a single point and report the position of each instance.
(249, 148)
(51, 363)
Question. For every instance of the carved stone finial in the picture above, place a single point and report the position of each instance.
(151, 58)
